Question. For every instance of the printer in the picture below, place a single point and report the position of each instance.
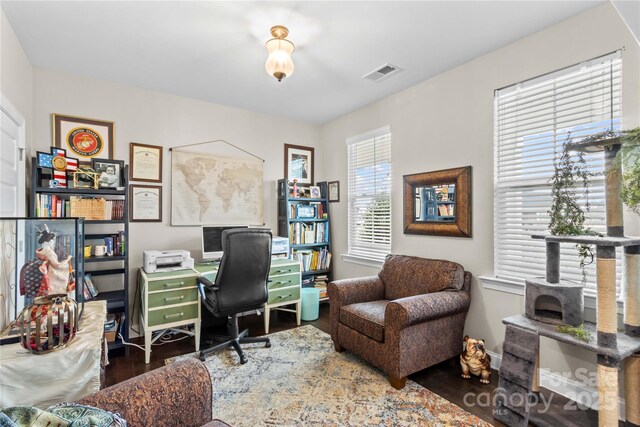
(162, 261)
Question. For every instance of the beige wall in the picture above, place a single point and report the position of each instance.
(161, 119)
(446, 122)
(16, 72)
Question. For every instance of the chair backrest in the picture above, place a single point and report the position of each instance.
(406, 276)
(244, 269)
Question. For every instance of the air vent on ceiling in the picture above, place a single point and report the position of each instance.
(383, 72)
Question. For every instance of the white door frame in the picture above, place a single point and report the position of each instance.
(12, 112)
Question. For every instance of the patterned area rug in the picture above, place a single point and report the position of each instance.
(301, 380)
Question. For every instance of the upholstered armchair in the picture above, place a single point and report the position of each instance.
(407, 318)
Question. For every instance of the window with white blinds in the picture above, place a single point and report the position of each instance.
(369, 197)
(532, 121)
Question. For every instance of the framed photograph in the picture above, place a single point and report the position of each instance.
(109, 172)
(146, 162)
(314, 192)
(85, 138)
(145, 203)
(43, 160)
(298, 163)
(334, 191)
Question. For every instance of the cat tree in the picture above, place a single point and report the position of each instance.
(615, 350)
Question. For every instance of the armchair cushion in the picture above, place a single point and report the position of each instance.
(366, 318)
(405, 276)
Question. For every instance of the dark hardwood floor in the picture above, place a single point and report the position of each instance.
(443, 379)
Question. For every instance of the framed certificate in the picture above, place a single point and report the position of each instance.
(145, 203)
(146, 162)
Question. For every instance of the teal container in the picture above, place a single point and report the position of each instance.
(310, 304)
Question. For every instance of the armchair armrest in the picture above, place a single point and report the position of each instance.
(409, 311)
(351, 291)
(177, 394)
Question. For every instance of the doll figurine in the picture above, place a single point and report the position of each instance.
(56, 281)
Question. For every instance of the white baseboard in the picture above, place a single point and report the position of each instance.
(571, 389)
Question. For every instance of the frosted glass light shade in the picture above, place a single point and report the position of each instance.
(279, 63)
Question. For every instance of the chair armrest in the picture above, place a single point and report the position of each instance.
(177, 394)
(409, 311)
(351, 291)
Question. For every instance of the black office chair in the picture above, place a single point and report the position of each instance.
(240, 285)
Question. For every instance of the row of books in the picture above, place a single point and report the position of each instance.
(313, 210)
(116, 244)
(301, 233)
(64, 245)
(54, 206)
(312, 260)
(90, 290)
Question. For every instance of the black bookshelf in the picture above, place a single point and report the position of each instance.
(117, 300)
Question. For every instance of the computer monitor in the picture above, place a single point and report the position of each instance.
(212, 240)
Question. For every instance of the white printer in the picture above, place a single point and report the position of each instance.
(162, 261)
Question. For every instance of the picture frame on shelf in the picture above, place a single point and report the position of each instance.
(109, 172)
(85, 178)
(146, 162)
(298, 163)
(84, 137)
(333, 188)
(145, 203)
(44, 160)
(314, 192)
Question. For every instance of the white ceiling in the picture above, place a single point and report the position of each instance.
(214, 51)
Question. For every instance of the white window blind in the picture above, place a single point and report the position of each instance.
(370, 194)
(532, 120)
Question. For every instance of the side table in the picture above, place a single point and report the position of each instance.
(63, 375)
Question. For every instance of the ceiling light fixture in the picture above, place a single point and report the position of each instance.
(279, 63)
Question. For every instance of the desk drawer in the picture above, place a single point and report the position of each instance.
(281, 281)
(173, 314)
(284, 269)
(282, 295)
(173, 297)
(167, 284)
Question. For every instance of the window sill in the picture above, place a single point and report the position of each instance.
(369, 262)
(517, 288)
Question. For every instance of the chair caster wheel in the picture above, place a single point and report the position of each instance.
(268, 344)
(243, 360)
(202, 357)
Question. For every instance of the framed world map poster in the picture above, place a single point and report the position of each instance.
(215, 190)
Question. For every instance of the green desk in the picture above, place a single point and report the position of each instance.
(284, 286)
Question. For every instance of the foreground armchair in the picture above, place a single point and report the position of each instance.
(178, 394)
(409, 317)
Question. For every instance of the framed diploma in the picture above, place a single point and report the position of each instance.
(145, 203)
(146, 162)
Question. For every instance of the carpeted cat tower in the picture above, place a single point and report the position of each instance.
(549, 302)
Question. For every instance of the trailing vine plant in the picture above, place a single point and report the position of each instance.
(629, 159)
(566, 214)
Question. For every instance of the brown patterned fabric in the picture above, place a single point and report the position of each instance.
(178, 394)
(351, 291)
(366, 318)
(420, 329)
(408, 311)
(405, 276)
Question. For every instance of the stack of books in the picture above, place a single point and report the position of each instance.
(90, 291)
(320, 282)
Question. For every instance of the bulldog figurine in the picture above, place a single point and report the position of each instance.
(475, 360)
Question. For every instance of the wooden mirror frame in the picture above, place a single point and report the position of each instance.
(462, 225)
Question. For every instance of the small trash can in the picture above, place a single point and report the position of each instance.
(310, 304)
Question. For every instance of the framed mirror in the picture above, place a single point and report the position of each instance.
(438, 203)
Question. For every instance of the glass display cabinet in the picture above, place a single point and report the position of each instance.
(38, 256)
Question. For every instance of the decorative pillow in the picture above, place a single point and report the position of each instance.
(86, 416)
(61, 415)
